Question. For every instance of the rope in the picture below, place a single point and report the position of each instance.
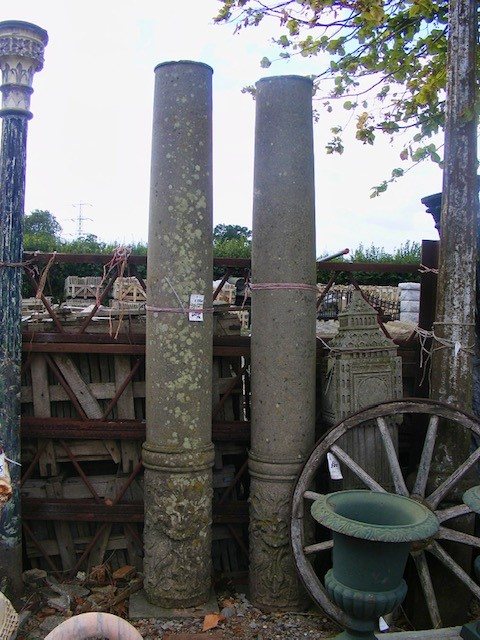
(2, 453)
(248, 287)
(184, 310)
(19, 464)
(444, 343)
(175, 293)
(424, 269)
(43, 276)
(26, 263)
(118, 260)
(274, 286)
(181, 309)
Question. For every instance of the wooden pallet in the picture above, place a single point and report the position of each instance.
(82, 386)
(66, 541)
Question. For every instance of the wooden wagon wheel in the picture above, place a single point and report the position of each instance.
(303, 496)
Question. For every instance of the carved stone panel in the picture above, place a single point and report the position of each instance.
(274, 582)
(177, 537)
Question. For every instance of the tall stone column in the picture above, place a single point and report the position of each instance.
(452, 363)
(178, 452)
(21, 54)
(283, 330)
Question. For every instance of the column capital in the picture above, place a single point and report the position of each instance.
(22, 45)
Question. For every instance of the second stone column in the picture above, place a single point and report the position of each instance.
(178, 452)
(283, 330)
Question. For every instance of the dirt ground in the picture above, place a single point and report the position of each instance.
(48, 602)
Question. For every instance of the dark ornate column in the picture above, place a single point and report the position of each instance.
(21, 54)
(178, 452)
(283, 330)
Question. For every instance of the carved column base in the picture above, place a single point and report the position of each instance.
(178, 517)
(274, 584)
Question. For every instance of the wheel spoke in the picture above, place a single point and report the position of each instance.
(356, 469)
(440, 553)
(397, 476)
(312, 495)
(426, 458)
(452, 512)
(427, 587)
(444, 533)
(440, 492)
(320, 546)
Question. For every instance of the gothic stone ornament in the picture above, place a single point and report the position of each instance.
(21, 55)
(362, 369)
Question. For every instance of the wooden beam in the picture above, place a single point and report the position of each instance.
(70, 428)
(87, 510)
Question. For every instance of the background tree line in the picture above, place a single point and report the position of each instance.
(42, 232)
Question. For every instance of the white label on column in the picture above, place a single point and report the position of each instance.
(2, 464)
(382, 625)
(334, 467)
(196, 302)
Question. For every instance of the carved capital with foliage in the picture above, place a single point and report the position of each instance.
(21, 55)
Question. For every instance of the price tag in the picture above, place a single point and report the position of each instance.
(2, 464)
(196, 302)
(334, 467)
(382, 625)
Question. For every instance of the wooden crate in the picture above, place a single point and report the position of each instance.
(128, 289)
(82, 287)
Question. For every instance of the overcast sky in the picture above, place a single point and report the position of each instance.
(90, 138)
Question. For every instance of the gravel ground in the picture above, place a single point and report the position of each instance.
(241, 620)
(48, 603)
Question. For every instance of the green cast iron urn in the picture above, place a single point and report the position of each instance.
(372, 534)
(471, 497)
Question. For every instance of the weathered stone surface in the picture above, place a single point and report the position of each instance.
(283, 331)
(178, 536)
(178, 453)
(140, 607)
(271, 563)
(454, 327)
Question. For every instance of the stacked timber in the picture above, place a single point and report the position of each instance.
(85, 287)
(128, 290)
